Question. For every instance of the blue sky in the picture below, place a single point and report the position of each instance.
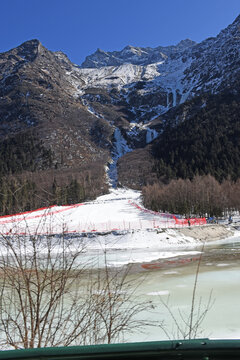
(79, 27)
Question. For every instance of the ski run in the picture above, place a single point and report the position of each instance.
(118, 223)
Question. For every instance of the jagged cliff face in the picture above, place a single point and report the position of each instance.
(114, 102)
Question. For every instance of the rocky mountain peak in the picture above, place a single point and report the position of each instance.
(33, 43)
(130, 50)
(26, 52)
(232, 31)
(134, 55)
(236, 21)
(63, 59)
(30, 49)
(100, 51)
(183, 44)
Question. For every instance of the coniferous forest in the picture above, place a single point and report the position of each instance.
(206, 143)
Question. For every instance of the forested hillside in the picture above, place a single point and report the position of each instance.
(206, 143)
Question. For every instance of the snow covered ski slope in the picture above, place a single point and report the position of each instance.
(116, 222)
(119, 210)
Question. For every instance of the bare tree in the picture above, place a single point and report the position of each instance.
(50, 297)
(38, 306)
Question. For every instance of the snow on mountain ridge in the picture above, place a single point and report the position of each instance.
(134, 55)
(167, 76)
(108, 76)
(153, 80)
(184, 70)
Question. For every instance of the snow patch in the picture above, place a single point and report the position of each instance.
(120, 148)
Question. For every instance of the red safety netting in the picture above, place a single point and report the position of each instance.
(190, 221)
(46, 211)
(168, 216)
(182, 222)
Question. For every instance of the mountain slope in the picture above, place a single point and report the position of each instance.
(37, 108)
(133, 107)
(35, 93)
(206, 142)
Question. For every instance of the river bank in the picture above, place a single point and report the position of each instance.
(190, 244)
(208, 232)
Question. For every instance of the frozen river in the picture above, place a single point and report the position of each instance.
(219, 274)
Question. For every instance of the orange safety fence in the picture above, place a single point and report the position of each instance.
(158, 220)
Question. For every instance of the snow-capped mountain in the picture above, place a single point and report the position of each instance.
(149, 82)
(115, 101)
(180, 71)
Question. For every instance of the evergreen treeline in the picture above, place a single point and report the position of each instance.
(201, 196)
(206, 143)
(23, 152)
(71, 193)
(30, 191)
